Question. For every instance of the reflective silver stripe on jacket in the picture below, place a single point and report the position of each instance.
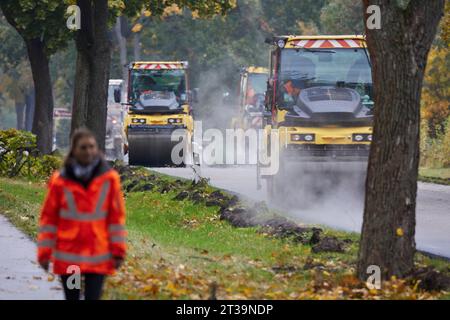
(73, 214)
(82, 216)
(117, 239)
(76, 258)
(47, 228)
(47, 243)
(116, 227)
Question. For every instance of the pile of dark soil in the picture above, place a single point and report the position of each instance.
(430, 279)
(328, 244)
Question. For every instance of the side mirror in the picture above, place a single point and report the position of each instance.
(117, 95)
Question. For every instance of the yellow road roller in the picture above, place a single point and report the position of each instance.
(159, 124)
(320, 99)
(252, 89)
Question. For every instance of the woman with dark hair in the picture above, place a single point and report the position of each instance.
(82, 223)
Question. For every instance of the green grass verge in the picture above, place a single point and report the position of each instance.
(439, 176)
(180, 250)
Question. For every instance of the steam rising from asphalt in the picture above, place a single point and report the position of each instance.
(326, 193)
(213, 111)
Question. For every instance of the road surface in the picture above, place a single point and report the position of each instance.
(340, 206)
(20, 277)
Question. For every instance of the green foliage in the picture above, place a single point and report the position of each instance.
(132, 8)
(342, 17)
(19, 156)
(15, 79)
(436, 87)
(62, 70)
(435, 152)
(44, 20)
(16, 147)
(12, 50)
(45, 165)
(284, 17)
(203, 7)
(217, 47)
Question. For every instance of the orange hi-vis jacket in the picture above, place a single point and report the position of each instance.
(83, 226)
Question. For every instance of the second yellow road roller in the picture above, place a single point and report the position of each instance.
(159, 124)
(252, 91)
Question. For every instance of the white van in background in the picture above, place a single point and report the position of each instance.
(114, 121)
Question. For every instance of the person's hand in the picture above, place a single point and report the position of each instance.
(117, 261)
(44, 264)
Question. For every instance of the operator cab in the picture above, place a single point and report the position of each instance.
(254, 90)
(158, 90)
(323, 86)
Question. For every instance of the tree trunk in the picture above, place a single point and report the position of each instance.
(20, 114)
(398, 53)
(137, 46)
(92, 69)
(122, 42)
(43, 115)
(29, 112)
(81, 90)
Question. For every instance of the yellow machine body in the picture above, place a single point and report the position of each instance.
(150, 129)
(252, 82)
(332, 141)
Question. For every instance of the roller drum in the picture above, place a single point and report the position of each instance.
(151, 147)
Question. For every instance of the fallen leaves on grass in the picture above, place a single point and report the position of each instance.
(143, 278)
(191, 223)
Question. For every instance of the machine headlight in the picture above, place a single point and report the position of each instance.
(138, 121)
(362, 137)
(308, 137)
(174, 120)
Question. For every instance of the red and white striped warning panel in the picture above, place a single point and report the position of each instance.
(62, 113)
(158, 66)
(327, 44)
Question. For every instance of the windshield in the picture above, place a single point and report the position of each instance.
(158, 84)
(257, 84)
(301, 69)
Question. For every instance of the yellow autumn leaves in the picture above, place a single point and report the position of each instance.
(171, 10)
(137, 28)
